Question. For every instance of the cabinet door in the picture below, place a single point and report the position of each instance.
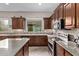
(14, 23)
(59, 50)
(18, 23)
(69, 15)
(57, 14)
(67, 53)
(43, 40)
(47, 23)
(38, 41)
(32, 41)
(21, 23)
(20, 52)
(77, 15)
(61, 11)
(26, 49)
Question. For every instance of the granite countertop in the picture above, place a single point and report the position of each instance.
(70, 47)
(23, 33)
(14, 45)
(73, 32)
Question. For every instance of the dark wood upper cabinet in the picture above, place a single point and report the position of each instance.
(69, 15)
(57, 14)
(18, 23)
(47, 23)
(61, 11)
(53, 17)
(14, 23)
(77, 15)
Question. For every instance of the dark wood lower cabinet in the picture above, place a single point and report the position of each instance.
(59, 50)
(2, 37)
(20, 52)
(38, 41)
(26, 49)
(67, 53)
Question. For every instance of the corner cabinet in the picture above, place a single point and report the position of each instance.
(18, 23)
(69, 15)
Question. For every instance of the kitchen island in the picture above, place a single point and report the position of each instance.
(15, 47)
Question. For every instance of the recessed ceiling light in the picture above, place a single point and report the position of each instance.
(39, 4)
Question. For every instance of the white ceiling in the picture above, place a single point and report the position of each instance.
(28, 7)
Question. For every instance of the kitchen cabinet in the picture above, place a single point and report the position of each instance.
(14, 23)
(38, 41)
(59, 50)
(77, 15)
(2, 37)
(57, 14)
(54, 16)
(26, 49)
(18, 23)
(47, 23)
(20, 52)
(67, 53)
(69, 15)
(61, 11)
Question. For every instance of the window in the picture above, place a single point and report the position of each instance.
(5, 24)
(34, 25)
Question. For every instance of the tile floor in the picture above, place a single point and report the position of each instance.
(39, 51)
